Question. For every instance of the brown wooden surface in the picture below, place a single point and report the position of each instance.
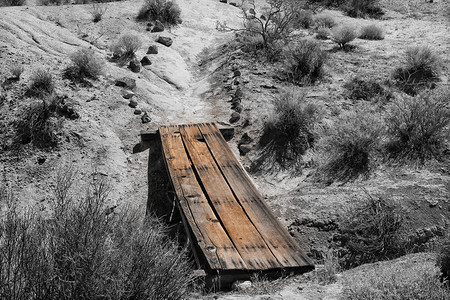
(230, 221)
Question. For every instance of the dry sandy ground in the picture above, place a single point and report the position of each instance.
(175, 89)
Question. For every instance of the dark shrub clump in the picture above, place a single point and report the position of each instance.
(362, 8)
(85, 64)
(41, 83)
(343, 35)
(167, 12)
(371, 32)
(360, 89)
(288, 132)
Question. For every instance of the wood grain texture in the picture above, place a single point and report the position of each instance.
(218, 249)
(282, 245)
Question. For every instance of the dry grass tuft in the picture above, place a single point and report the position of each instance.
(371, 32)
(167, 12)
(42, 84)
(85, 64)
(343, 35)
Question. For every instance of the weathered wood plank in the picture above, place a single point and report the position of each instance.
(282, 245)
(219, 251)
(248, 241)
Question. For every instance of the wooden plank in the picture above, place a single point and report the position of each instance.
(248, 241)
(219, 251)
(152, 134)
(282, 245)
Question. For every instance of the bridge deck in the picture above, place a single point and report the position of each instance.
(231, 225)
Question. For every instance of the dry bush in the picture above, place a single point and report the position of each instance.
(97, 12)
(371, 32)
(324, 21)
(12, 2)
(126, 46)
(38, 124)
(349, 147)
(304, 19)
(421, 68)
(343, 35)
(288, 133)
(42, 84)
(85, 64)
(417, 127)
(85, 251)
(305, 61)
(370, 231)
(167, 12)
(16, 71)
(322, 33)
(360, 89)
(362, 8)
(418, 282)
(443, 259)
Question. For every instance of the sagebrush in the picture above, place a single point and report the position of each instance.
(367, 89)
(167, 12)
(362, 8)
(42, 83)
(287, 133)
(125, 47)
(85, 64)
(12, 2)
(371, 32)
(324, 21)
(342, 35)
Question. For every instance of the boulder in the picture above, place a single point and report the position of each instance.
(127, 94)
(133, 103)
(237, 107)
(241, 285)
(137, 111)
(244, 149)
(145, 118)
(152, 49)
(126, 82)
(135, 66)
(158, 27)
(236, 73)
(235, 116)
(166, 41)
(223, 1)
(145, 61)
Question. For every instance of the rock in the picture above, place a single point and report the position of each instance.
(432, 202)
(244, 149)
(238, 93)
(137, 111)
(235, 116)
(133, 103)
(127, 94)
(245, 139)
(152, 49)
(241, 285)
(237, 107)
(178, 20)
(126, 82)
(68, 111)
(145, 61)
(223, 1)
(158, 27)
(166, 41)
(237, 73)
(145, 118)
(233, 4)
(135, 66)
(41, 160)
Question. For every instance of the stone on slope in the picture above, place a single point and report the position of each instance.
(145, 61)
(126, 82)
(133, 103)
(152, 49)
(166, 41)
(135, 66)
(158, 27)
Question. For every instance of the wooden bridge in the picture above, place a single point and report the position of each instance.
(234, 232)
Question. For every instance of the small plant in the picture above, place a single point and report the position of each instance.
(126, 47)
(16, 71)
(167, 12)
(422, 66)
(417, 127)
(349, 147)
(41, 83)
(322, 33)
(97, 12)
(324, 20)
(370, 231)
(371, 32)
(362, 8)
(360, 89)
(443, 259)
(305, 61)
(12, 2)
(288, 132)
(304, 19)
(343, 35)
(85, 64)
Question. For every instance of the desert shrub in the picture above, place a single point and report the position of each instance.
(343, 35)
(367, 90)
(12, 2)
(324, 21)
(83, 250)
(304, 19)
(273, 23)
(349, 147)
(417, 282)
(97, 12)
(85, 64)
(443, 259)
(417, 127)
(322, 33)
(16, 71)
(167, 12)
(371, 32)
(304, 61)
(421, 68)
(38, 124)
(287, 133)
(361, 8)
(370, 231)
(126, 46)
(42, 83)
